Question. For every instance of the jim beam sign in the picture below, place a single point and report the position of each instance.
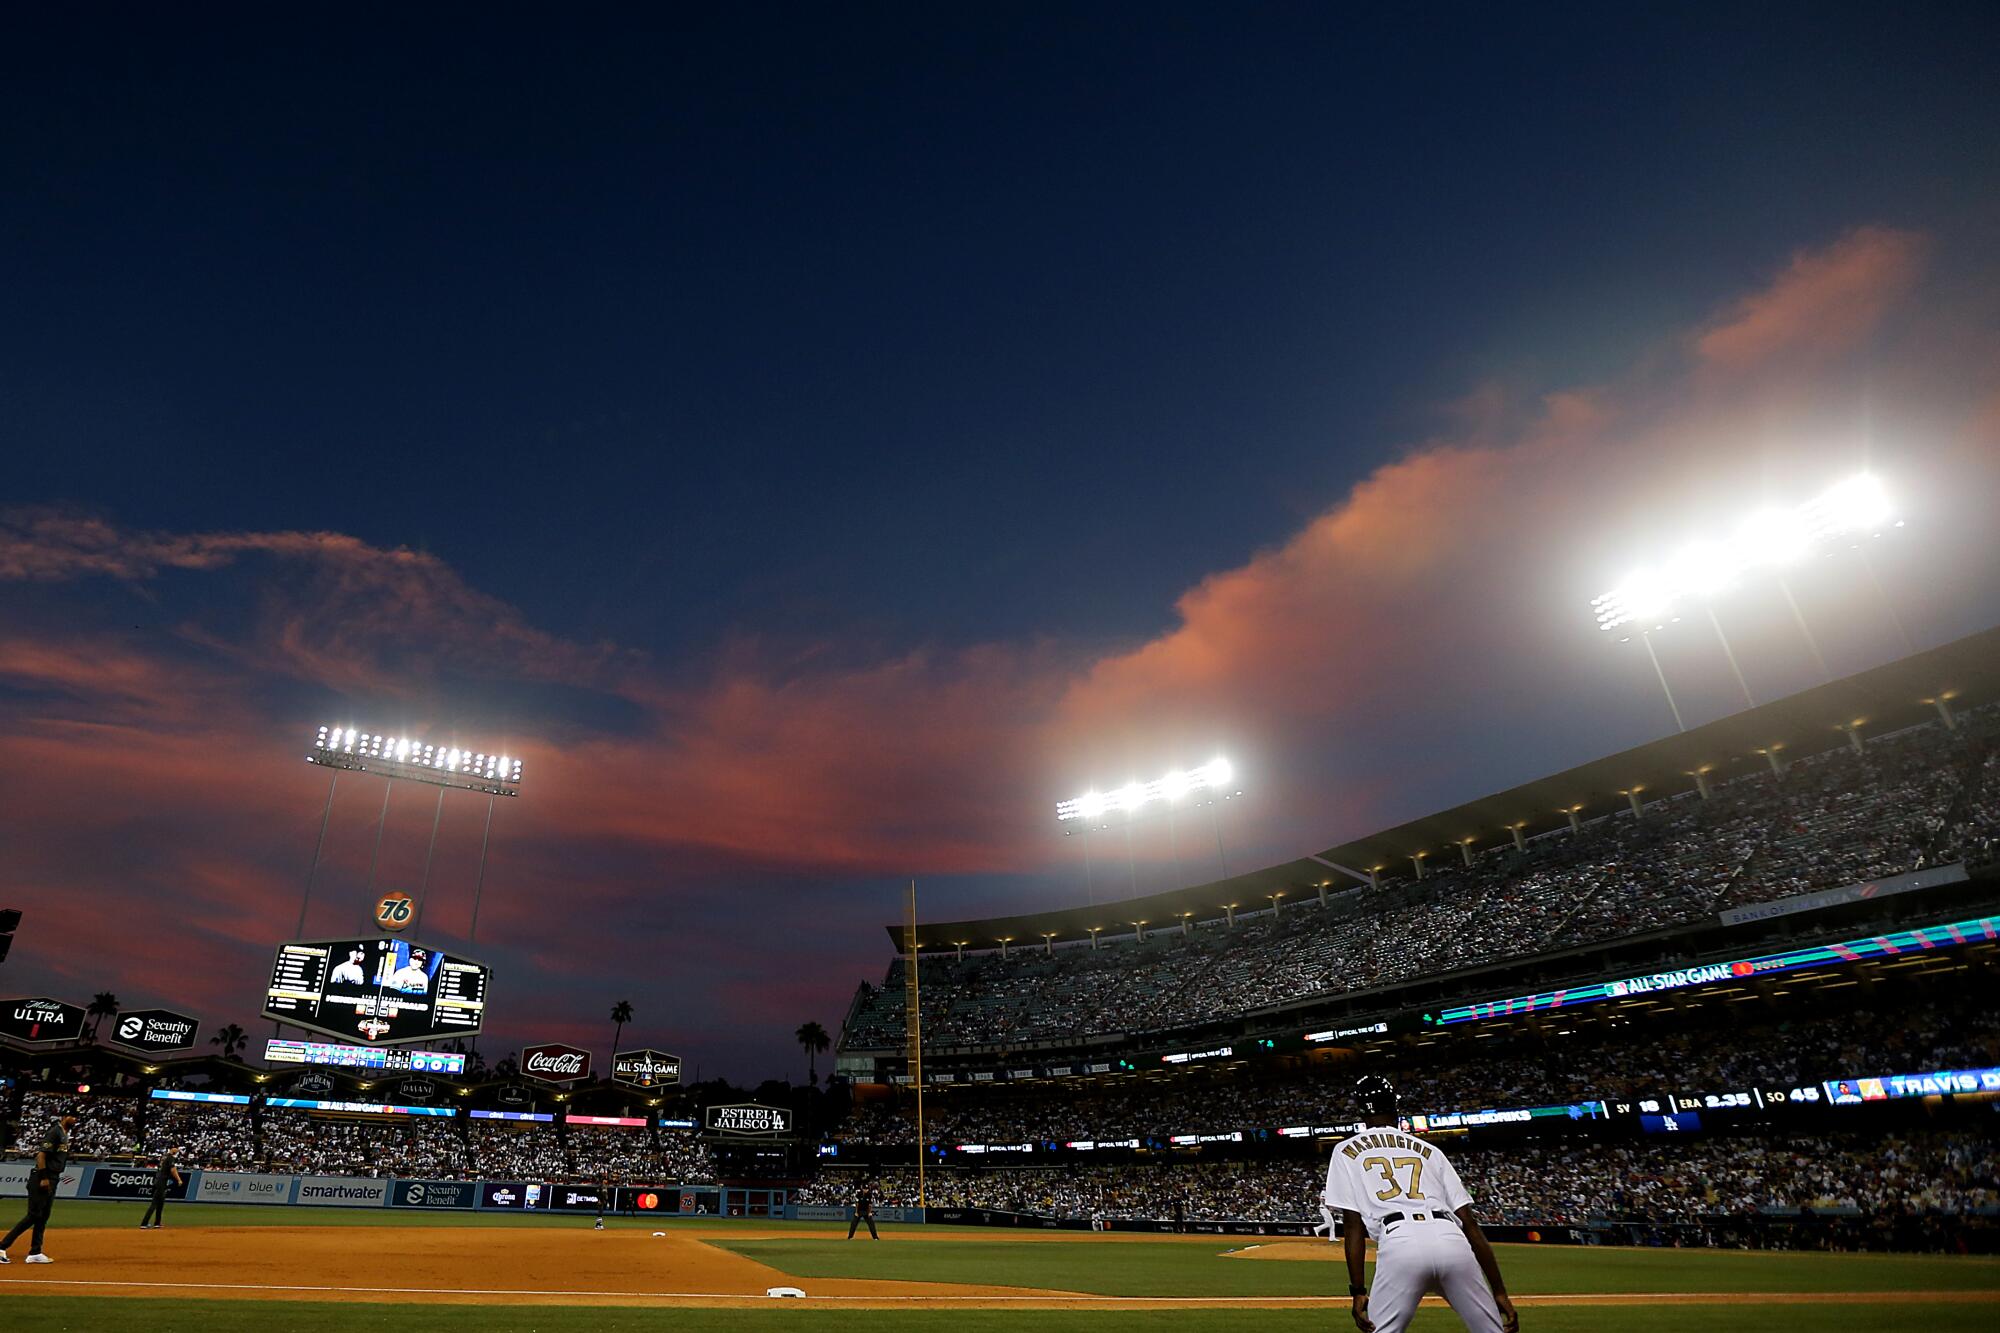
(749, 1120)
(646, 1069)
(40, 1022)
(553, 1062)
(154, 1031)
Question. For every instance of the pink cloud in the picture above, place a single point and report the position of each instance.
(1820, 305)
(1446, 592)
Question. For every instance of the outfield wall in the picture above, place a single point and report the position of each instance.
(110, 1181)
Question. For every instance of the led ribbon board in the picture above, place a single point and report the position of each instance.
(1890, 1087)
(1983, 929)
(283, 1051)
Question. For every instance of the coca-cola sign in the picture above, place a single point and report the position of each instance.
(553, 1062)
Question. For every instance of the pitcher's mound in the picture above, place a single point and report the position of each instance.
(1288, 1249)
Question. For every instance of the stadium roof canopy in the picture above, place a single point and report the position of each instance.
(1887, 698)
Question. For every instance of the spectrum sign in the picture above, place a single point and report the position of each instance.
(1978, 930)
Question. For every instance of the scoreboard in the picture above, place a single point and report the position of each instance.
(381, 992)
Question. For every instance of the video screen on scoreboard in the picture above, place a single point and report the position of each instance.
(378, 991)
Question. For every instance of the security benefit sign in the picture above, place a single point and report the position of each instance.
(379, 991)
(749, 1120)
(39, 1022)
(154, 1031)
(645, 1069)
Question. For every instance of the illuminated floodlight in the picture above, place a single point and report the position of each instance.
(1856, 506)
(1134, 796)
(407, 757)
(1774, 538)
(1765, 541)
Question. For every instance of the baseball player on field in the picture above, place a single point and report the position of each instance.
(1402, 1193)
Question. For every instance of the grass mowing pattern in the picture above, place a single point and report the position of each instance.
(1140, 1268)
(64, 1314)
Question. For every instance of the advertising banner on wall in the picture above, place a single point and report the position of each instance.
(242, 1187)
(14, 1180)
(578, 1198)
(511, 1194)
(435, 1194)
(122, 1182)
(343, 1191)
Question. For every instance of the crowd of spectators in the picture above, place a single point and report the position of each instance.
(233, 1138)
(1698, 1056)
(1901, 802)
(1683, 1180)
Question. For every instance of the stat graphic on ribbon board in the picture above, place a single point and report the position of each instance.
(378, 991)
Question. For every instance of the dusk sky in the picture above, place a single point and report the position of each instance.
(818, 438)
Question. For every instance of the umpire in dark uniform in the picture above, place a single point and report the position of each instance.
(49, 1163)
(864, 1211)
(166, 1174)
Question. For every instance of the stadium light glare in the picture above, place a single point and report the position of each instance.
(1770, 539)
(1135, 795)
(407, 757)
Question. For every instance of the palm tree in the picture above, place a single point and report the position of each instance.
(621, 1014)
(812, 1037)
(232, 1040)
(103, 1005)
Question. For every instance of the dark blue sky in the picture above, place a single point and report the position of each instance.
(665, 320)
(870, 418)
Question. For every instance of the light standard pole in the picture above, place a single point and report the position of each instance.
(394, 759)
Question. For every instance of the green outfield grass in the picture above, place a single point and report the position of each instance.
(1171, 1268)
(55, 1314)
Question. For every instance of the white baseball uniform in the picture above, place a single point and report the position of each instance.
(1408, 1196)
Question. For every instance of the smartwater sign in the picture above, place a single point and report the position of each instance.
(343, 1191)
(435, 1194)
(242, 1187)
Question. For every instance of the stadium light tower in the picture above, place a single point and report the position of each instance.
(1767, 543)
(349, 750)
(1086, 812)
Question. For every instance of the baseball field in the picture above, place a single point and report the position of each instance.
(220, 1269)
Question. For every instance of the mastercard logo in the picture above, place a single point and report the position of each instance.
(1741, 969)
(647, 1202)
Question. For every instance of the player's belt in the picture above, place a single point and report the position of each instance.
(1389, 1219)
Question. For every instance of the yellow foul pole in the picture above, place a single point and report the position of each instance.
(914, 1021)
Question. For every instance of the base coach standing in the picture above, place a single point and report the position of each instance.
(167, 1173)
(49, 1163)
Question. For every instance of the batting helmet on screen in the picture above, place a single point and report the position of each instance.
(1378, 1096)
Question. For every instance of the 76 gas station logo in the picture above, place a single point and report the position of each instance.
(394, 911)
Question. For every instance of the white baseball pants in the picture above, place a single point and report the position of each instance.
(1416, 1258)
